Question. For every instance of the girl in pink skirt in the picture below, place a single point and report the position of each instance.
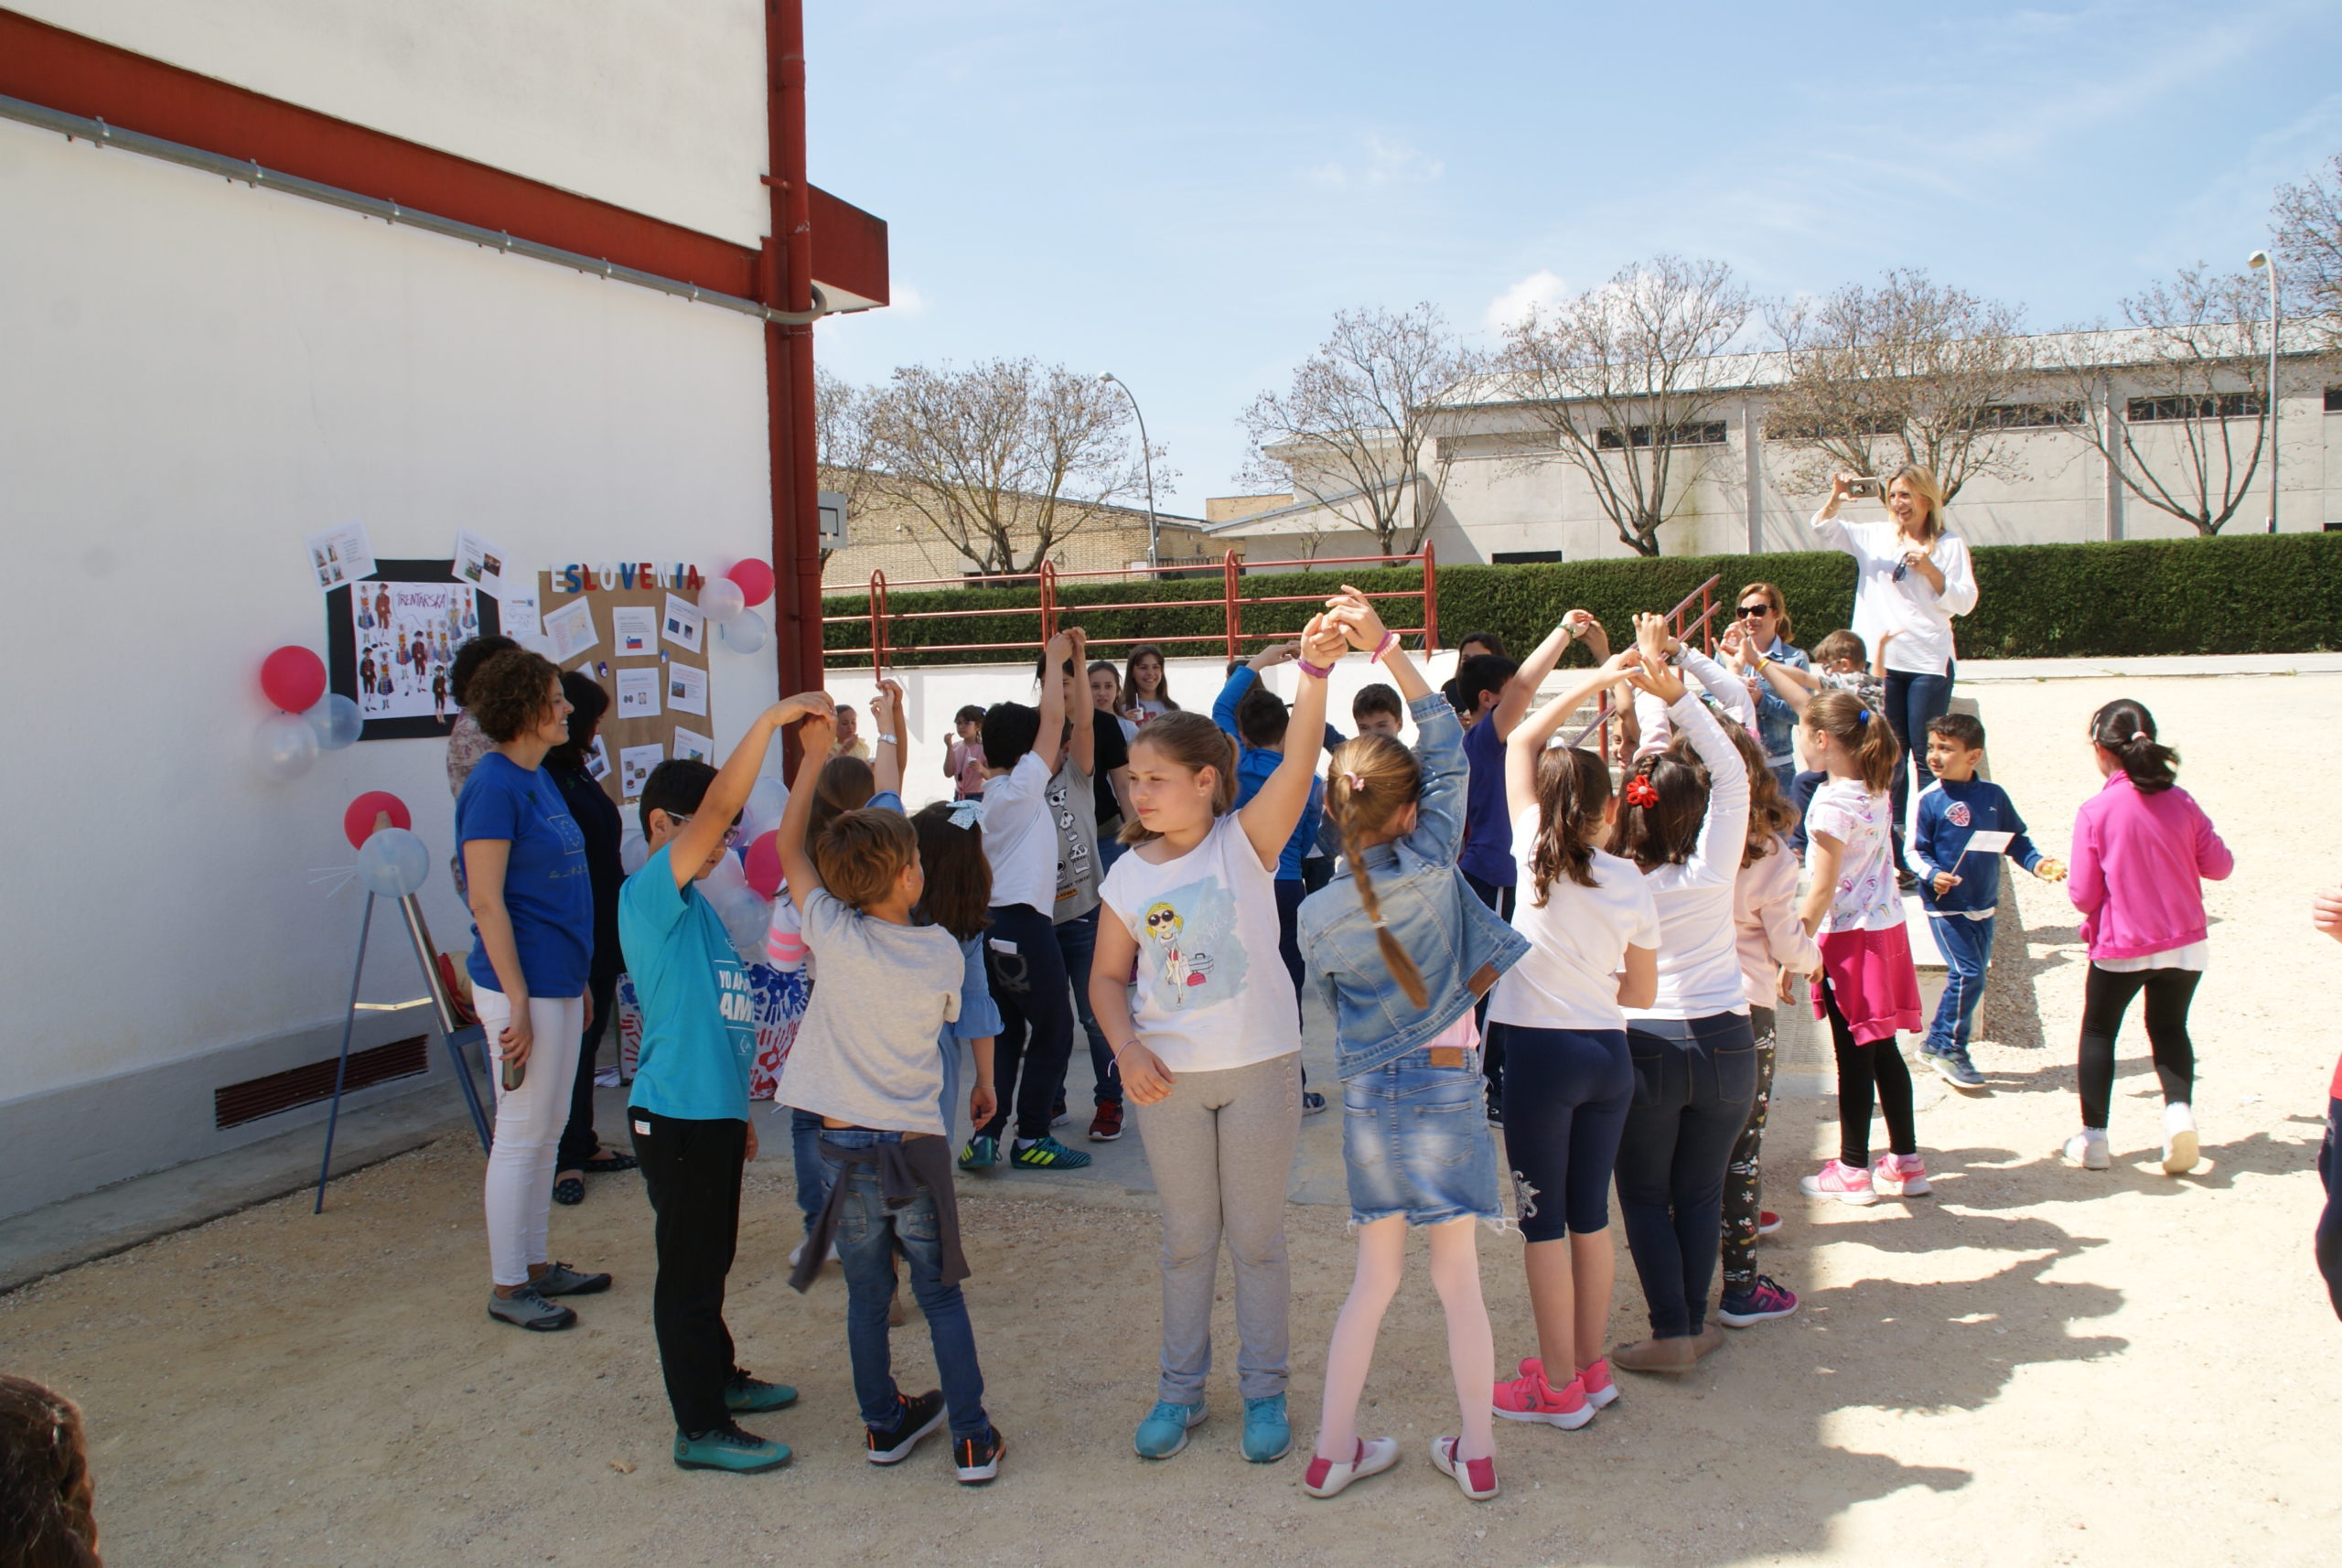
(1866, 987)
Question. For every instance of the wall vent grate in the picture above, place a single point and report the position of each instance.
(236, 1103)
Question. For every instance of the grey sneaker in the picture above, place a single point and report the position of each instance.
(525, 1308)
(560, 1279)
(1954, 1068)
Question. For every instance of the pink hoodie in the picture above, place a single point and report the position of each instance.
(1766, 929)
(2139, 865)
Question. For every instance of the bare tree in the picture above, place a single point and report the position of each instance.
(1910, 372)
(842, 438)
(1351, 433)
(1622, 379)
(2193, 368)
(1005, 461)
(2308, 219)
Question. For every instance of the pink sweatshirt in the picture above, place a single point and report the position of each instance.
(2138, 868)
(1766, 929)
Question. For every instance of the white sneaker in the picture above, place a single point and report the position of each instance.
(2178, 1139)
(1375, 1455)
(799, 1251)
(2086, 1150)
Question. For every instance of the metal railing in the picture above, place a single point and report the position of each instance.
(1677, 623)
(885, 619)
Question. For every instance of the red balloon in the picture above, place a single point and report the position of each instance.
(755, 579)
(294, 678)
(764, 865)
(358, 822)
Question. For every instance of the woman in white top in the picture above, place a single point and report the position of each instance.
(1911, 578)
(1683, 821)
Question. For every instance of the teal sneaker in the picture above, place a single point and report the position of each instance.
(1048, 1155)
(744, 1395)
(1164, 1431)
(981, 1155)
(729, 1448)
(1268, 1435)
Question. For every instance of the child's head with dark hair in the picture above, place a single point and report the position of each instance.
(1481, 644)
(47, 1519)
(1770, 815)
(1481, 680)
(672, 796)
(2124, 733)
(1105, 684)
(844, 784)
(865, 856)
(1660, 807)
(1261, 718)
(1963, 730)
(1453, 690)
(1573, 811)
(515, 694)
(1842, 652)
(587, 704)
(468, 658)
(1373, 793)
(1377, 710)
(1954, 745)
(968, 721)
(958, 875)
(1010, 730)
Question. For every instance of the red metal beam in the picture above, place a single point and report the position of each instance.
(788, 285)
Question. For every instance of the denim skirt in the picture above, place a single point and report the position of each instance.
(1417, 1141)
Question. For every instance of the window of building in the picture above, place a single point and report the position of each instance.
(2224, 405)
(1781, 429)
(2029, 416)
(1524, 557)
(1699, 433)
(2334, 400)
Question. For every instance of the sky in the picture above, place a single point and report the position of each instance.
(1185, 194)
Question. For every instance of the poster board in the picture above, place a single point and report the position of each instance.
(645, 643)
(389, 651)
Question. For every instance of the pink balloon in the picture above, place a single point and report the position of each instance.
(755, 579)
(763, 867)
(357, 820)
(294, 678)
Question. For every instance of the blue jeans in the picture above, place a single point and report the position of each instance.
(1694, 1083)
(1077, 943)
(869, 1235)
(1967, 948)
(1912, 703)
(1801, 795)
(805, 1154)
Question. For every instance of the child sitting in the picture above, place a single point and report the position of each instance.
(1961, 897)
(866, 1063)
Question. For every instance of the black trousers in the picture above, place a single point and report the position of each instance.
(1036, 1000)
(1868, 1070)
(2106, 996)
(2329, 1223)
(691, 1170)
(579, 1140)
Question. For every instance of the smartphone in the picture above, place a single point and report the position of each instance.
(1865, 487)
(514, 1072)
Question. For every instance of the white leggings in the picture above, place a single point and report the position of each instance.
(529, 1121)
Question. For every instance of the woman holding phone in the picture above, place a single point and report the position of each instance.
(1911, 578)
(531, 896)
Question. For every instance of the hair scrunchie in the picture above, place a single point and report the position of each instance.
(1641, 792)
(1862, 718)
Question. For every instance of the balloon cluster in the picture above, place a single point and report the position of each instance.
(310, 719)
(727, 601)
(391, 861)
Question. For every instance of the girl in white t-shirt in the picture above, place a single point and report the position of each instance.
(1187, 984)
(1869, 989)
(1593, 931)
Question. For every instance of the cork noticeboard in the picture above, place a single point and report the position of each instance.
(646, 645)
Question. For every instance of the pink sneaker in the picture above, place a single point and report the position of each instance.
(1475, 1478)
(1530, 1397)
(1900, 1175)
(1600, 1391)
(1847, 1184)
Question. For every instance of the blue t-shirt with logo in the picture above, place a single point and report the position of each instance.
(548, 887)
(1487, 832)
(699, 1020)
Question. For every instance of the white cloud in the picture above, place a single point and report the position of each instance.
(1540, 290)
(905, 300)
(1387, 161)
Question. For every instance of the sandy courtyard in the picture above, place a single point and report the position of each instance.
(2038, 1365)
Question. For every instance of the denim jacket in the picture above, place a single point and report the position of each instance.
(1458, 943)
(1776, 720)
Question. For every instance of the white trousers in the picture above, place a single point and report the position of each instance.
(528, 1121)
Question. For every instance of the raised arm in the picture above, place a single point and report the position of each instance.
(1825, 521)
(1721, 683)
(727, 792)
(1048, 746)
(1084, 739)
(1530, 738)
(1522, 690)
(1272, 813)
(886, 712)
(1439, 748)
(814, 740)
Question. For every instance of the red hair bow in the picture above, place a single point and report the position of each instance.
(1641, 792)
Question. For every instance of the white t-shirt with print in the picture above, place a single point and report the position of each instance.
(1020, 840)
(1867, 898)
(1210, 993)
(1577, 942)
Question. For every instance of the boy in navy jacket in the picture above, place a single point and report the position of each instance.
(1961, 896)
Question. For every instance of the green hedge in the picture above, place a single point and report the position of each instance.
(2254, 594)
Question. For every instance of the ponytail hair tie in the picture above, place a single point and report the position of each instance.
(1357, 784)
(1862, 718)
(1641, 792)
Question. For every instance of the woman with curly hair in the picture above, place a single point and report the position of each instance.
(46, 1520)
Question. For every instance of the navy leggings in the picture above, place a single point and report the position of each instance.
(1913, 702)
(1695, 1081)
(1565, 1099)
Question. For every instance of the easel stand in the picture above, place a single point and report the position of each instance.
(458, 1036)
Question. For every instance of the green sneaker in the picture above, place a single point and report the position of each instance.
(729, 1448)
(1164, 1431)
(1268, 1434)
(981, 1155)
(744, 1394)
(1046, 1154)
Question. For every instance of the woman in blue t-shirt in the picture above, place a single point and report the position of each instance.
(532, 947)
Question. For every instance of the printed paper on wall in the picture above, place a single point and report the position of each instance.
(687, 689)
(686, 628)
(638, 693)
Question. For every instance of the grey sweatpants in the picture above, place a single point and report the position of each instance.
(1221, 1147)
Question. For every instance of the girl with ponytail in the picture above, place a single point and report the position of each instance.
(1404, 948)
(1867, 988)
(2142, 851)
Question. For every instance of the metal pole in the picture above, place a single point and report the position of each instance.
(2262, 259)
(1146, 457)
(341, 1071)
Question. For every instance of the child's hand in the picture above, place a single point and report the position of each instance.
(818, 732)
(1781, 990)
(1734, 642)
(888, 707)
(983, 1101)
(1322, 642)
(1944, 883)
(1077, 644)
(1891, 634)
(1650, 637)
(1576, 622)
(2049, 869)
(1272, 656)
(751, 1155)
(1144, 1077)
(1059, 649)
(788, 710)
(1358, 618)
(2325, 913)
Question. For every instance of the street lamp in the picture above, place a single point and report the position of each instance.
(1154, 529)
(2264, 261)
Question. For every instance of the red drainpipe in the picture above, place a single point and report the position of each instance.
(788, 280)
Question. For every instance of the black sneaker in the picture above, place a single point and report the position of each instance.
(917, 1417)
(1311, 1102)
(976, 1460)
(560, 1279)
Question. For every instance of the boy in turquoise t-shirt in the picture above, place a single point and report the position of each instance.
(689, 1109)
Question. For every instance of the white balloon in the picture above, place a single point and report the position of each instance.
(766, 801)
(745, 916)
(284, 747)
(337, 720)
(392, 863)
(743, 634)
(633, 848)
(728, 875)
(722, 601)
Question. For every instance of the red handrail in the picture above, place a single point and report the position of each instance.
(1706, 622)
